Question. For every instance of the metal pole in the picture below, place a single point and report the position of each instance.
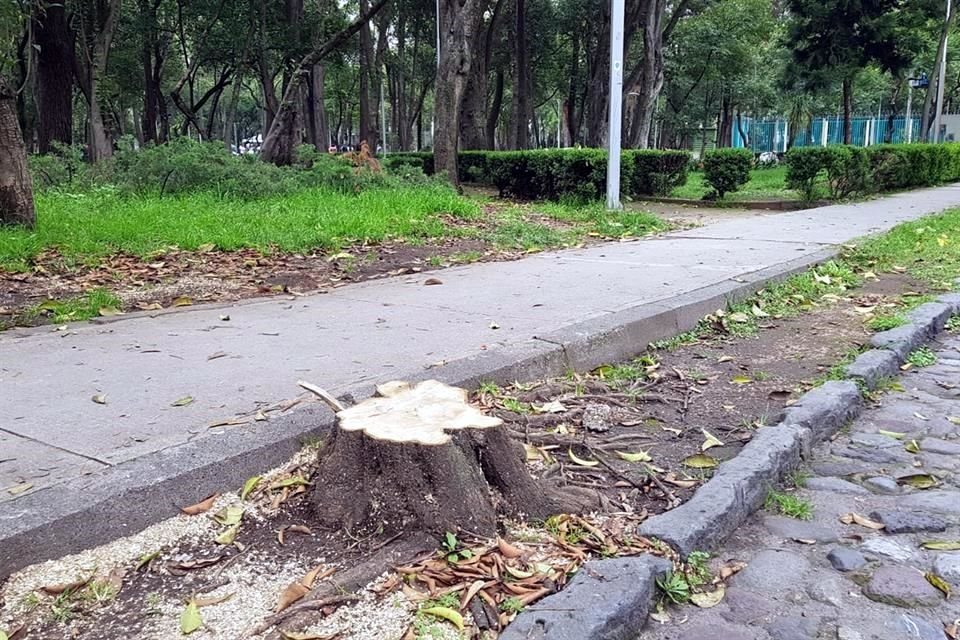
(942, 79)
(909, 108)
(616, 106)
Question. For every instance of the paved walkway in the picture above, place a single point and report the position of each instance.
(51, 430)
(847, 581)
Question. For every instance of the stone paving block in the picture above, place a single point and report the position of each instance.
(606, 600)
(874, 366)
(901, 587)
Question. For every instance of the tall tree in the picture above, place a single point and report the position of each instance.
(279, 144)
(839, 38)
(459, 20)
(16, 187)
(54, 44)
(97, 20)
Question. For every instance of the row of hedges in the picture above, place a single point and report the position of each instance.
(554, 174)
(850, 171)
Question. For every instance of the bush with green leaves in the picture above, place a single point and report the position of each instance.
(559, 174)
(726, 170)
(185, 166)
(847, 170)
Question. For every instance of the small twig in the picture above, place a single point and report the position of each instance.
(614, 470)
(231, 560)
(303, 605)
(323, 394)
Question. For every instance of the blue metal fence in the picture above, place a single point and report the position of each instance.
(772, 135)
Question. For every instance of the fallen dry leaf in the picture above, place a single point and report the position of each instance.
(209, 602)
(863, 521)
(57, 589)
(100, 398)
(432, 281)
(710, 599)
(201, 507)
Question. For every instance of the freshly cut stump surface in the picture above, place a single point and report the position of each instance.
(420, 457)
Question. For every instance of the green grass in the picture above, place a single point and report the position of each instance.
(953, 324)
(922, 357)
(764, 184)
(886, 321)
(928, 249)
(74, 309)
(85, 227)
(515, 230)
(789, 505)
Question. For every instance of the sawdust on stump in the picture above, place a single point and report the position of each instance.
(420, 457)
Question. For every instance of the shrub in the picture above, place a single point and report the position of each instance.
(556, 174)
(857, 170)
(848, 171)
(805, 166)
(726, 170)
(186, 166)
(657, 173)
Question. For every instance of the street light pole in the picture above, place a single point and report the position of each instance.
(616, 106)
(942, 79)
(909, 109)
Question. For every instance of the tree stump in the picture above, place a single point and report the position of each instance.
(419, 457)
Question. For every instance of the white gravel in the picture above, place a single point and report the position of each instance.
(256, 584)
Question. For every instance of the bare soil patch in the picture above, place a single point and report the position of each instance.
(643, 434)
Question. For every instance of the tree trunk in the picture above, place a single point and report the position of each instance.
(16, 186)
(367, 75)
(493, 115)
(746, 136)
(458, 19)
(96, 36)
(317, 129)
(152, 64)
(651, 76)
(847, 110)
(929, 101)
(372, 482)
(279, 145)
(54, 39)
(520, 125)
(573, 128)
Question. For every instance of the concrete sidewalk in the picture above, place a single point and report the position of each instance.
(550, 310)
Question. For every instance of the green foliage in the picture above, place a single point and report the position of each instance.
(953, 324)
(309, 219)
(886, 322)
(75, 309)
(849, 171)
(657, 173)
(559, 174)
(922, 357)
(675, 587)
(789, 505)
(726, 170)
(185, 166)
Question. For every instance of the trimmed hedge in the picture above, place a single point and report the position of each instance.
(852, 170)
(554, 174)
(726, 170)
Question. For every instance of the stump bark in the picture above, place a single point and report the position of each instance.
(421, 458)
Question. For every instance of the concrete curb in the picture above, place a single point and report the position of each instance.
(606, 600)
(124, 499)
(740, 485)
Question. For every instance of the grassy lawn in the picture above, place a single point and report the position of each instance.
(89, 250)
(927, 249)
(764, 184)
(87, 226)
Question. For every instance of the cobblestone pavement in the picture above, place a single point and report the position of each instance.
(854, 583)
